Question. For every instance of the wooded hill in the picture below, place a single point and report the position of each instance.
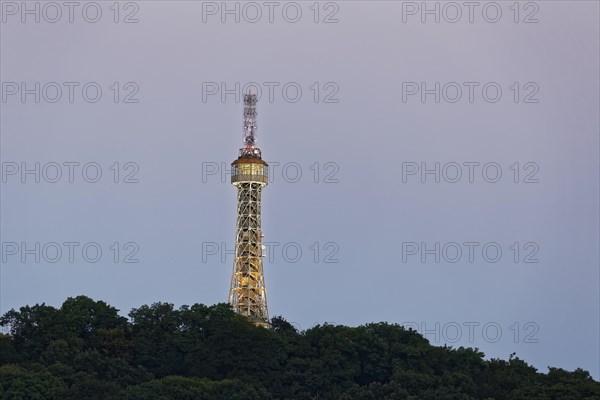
(85, 350)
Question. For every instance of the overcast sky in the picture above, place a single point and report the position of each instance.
(443, 175)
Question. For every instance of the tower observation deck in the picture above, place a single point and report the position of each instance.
(249, 174)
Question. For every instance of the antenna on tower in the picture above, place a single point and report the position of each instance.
(250, 119)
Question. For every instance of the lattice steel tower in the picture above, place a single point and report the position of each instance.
(249, 174)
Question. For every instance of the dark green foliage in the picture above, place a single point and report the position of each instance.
(18, 383)
(86, 351)
(181, 388)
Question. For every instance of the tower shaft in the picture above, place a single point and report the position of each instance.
(249, 173)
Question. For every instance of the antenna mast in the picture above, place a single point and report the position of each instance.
(249, 119)
(250, 126)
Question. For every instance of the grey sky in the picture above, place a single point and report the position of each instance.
(359, 212)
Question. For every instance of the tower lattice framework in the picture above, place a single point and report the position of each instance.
(249, 174)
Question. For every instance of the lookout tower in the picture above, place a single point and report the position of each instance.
(249, 174)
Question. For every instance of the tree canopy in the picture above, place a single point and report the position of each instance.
(86, 350)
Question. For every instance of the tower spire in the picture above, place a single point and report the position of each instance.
(250, 119)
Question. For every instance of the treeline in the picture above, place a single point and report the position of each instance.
(85, 351)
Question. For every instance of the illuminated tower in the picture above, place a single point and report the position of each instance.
(249, 174)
